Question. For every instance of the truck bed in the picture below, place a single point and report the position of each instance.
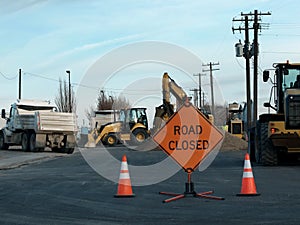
(56, 121)
(44, 122)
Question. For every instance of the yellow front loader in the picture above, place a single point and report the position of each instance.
(279, 133)
(132, 128)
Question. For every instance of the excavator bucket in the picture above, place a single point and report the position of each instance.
(91, 141)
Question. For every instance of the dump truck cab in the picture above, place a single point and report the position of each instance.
(279, 133)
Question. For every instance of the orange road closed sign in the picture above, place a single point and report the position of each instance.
(188, 137)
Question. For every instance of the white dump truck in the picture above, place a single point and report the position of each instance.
(35, 125)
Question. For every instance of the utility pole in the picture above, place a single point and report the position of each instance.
(248, 86)
(247, 54)
(200, 90)
(256, 27)
(255, 66)
(211, 69)
(20, 83)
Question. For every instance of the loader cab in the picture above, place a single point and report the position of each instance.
(286, 78)
(287, 81)
(287, 93)
(131, 117)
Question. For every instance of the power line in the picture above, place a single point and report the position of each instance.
(279, 52)
(55, 80)
(7, 77)
(281, 35)
(79, 84)
(285, 25)
(116, 90)
(86, 86)
(40, 76)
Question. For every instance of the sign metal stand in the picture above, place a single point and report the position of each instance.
(189, 191)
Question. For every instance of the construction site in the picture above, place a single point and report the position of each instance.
(149, 112)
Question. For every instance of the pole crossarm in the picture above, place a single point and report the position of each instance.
(256, 13)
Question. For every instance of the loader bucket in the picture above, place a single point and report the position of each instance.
(91, 142)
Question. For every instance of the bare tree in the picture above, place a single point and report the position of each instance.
(121, 103)
(105, 102)
(62, 100)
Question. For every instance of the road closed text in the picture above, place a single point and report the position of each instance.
(188, 143)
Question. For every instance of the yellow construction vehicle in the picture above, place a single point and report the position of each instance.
(234, 122)
(132, 127)
(166, 110)
(279, 133)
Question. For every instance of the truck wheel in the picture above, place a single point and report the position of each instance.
(32, 143)
(140, 135)
(269, 156)
(3, 145)
(25, 142)
(70, 150)
(110, 140)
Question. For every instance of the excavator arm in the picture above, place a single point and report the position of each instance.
(166, 110)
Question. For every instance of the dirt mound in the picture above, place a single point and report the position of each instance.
(233, 143)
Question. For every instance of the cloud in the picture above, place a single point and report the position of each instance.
(18, 5)
(87, 47)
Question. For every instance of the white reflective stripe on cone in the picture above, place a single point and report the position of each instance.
(247, 164)
(247, 175)
(124, 176)
(124, 166)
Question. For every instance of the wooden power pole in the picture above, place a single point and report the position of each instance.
(247, 54)
(211, 69)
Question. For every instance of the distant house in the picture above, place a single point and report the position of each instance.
(102, 117)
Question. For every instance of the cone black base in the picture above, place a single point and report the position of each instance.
(248, 195)
(124, 196)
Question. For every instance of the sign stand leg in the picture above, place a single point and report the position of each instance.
(189, 191)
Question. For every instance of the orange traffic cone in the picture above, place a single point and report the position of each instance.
(248, 184)
(124, 187)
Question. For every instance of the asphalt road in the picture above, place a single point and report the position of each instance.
(66, 190)
(15, 157)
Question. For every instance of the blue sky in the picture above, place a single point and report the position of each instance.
(46, 38)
